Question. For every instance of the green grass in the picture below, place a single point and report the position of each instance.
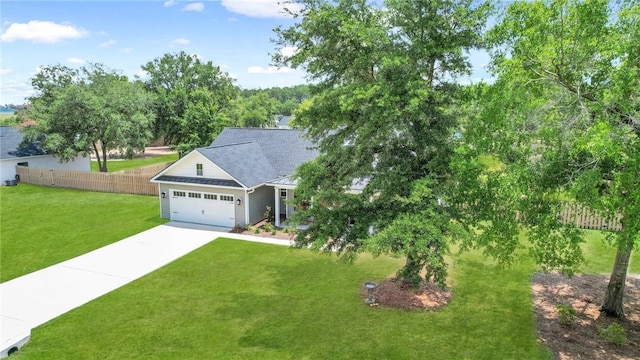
(7, 120)
(42, 226)
(239, 300)
(119, 165)
(491, 163)
(600, 255)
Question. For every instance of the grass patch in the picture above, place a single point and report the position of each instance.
(490, 162)
(600, 255)
(119, 165)
(239, 300)
(7, 119)
(42, 226)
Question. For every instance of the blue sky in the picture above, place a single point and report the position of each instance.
(123, 35)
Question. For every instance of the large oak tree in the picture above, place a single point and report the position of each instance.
(190, 97)
(383, 117)
(91, 109)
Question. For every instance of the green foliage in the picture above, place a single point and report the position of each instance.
(269, 215)
(91, 109)
(566, 313)
(563, 118)
(285, 99)
(614, 333)
(190, 98)
(382, 114)
(268, 227)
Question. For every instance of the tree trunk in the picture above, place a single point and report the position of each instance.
(615, 291)
(410, 273)
(103, 168)
(97, 152)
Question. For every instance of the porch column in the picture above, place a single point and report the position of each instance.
(276, 211)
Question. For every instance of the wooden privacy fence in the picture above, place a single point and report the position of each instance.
(585, 218)
(134, 181)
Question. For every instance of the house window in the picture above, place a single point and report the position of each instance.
(226, 198)
(195, 195)
(199, 169)
(179, 193)
(25, 163)
(283, 193)
(210, 196)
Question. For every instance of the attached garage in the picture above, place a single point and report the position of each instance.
(202, 207)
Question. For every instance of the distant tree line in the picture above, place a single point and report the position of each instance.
(183, 102)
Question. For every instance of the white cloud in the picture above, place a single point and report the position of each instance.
(269, 70)
(259, 8)
(15, 92)
(180, 41)
(126, 50)
(169, 3)
(288, 51)
(107, 43)
(5, 71)
(198, 6)
(42, 32)
(75, 61)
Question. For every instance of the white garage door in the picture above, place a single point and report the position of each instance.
(202, 208)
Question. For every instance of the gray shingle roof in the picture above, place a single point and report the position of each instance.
(10, 139)
(198, 180)
(254, 156)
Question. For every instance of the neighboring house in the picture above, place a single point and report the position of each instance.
(12, 153)
(234, 180)
(282, 121)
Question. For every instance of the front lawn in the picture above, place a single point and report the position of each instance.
(239, 300)
(42, 226)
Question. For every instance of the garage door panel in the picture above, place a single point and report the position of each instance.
(203, 208)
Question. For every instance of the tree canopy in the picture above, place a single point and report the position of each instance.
(91, 109)
(564, 118)
(383, 119)
(190, 96)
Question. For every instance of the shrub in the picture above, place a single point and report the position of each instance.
(268, 227)
(567, 314)
(268, 214)
(614, 334)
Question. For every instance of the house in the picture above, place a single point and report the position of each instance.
(234, 180)
(282, 121)
(13, 153)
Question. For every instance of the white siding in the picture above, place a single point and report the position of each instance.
(8, 166)
(187, 167)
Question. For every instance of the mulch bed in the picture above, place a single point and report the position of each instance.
(396, 294)
(581, 339)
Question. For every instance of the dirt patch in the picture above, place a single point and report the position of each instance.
(581, 339)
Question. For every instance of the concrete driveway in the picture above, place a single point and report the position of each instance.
(33, 299)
